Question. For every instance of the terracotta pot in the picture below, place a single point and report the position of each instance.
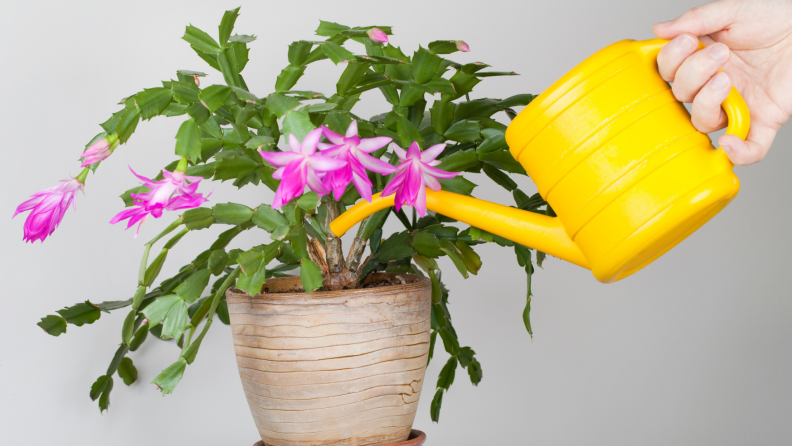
(416, 438)
(333, 368)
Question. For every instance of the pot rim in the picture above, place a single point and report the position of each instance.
(417, 283)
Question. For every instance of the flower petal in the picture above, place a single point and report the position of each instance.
(310, 142)
(322, 163)
(279, 159)
(335, 184)
(420, 202)
(29, 204)
(394, 184)
(375, 165)
(413, 182)
(126, 213)
(369, 145)
(277, 202)
(145, 180)
(335, 151)
(98, 146)
(431, 153)
(432, 183)
(315, 184)
(294, 143)
(358, 168)
(398, 151)
(332, 136)
(414, 151)
(352, 130)
(363, 187)
(185, 202)
(278, 174)
(435, 172)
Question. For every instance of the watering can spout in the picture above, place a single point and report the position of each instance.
(533, 230)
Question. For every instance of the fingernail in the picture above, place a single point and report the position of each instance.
(667, 22)
(688, 42)
(719, 52)
(720, 81)
(726, 148)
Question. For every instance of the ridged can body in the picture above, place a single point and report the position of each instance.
(618, 159)
(340, 368)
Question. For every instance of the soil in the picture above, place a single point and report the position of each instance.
(382, 282)
(398, 280)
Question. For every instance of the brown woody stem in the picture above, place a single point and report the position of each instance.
(355, 254)
(335, 254)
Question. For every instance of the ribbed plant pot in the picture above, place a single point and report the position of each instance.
(333, 368)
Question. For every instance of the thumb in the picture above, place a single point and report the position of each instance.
(750, 151)
(699, 21)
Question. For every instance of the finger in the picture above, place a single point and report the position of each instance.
(708, 115)
(674, 53)
(750, 151)
(706, 19)
(697, 69)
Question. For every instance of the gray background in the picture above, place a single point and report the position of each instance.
(693, 350)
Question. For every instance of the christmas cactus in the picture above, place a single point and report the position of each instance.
(318, 157)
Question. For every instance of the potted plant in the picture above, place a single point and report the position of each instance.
(332, 346)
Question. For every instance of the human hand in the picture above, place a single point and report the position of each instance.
(752, 41)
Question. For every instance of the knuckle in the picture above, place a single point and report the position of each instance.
(680, 93)
(664, 67)
(666, 73)
(703, 124)
(692, 12)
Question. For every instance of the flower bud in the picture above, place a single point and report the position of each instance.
(97, 151)
(377, 35)
(462, 46)
(47, 208)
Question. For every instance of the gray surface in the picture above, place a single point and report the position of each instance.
(693, 350)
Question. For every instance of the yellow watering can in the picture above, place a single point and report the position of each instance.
(616, 156)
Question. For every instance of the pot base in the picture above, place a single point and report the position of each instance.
(416, 438)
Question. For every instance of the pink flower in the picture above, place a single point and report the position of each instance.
(99, 150)
(414, 174)
(299, 167)
(48, 207)
(171, 193)
(462, 46)
(377, 35)
(355, 152)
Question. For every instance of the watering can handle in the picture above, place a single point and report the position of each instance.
(735, 107)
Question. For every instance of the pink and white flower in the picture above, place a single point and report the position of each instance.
(300, 167)
(462, 46)
(99, 150)
(415, 173)
(170, 194)
(377, 35)
(355, 152)
(47, 208)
